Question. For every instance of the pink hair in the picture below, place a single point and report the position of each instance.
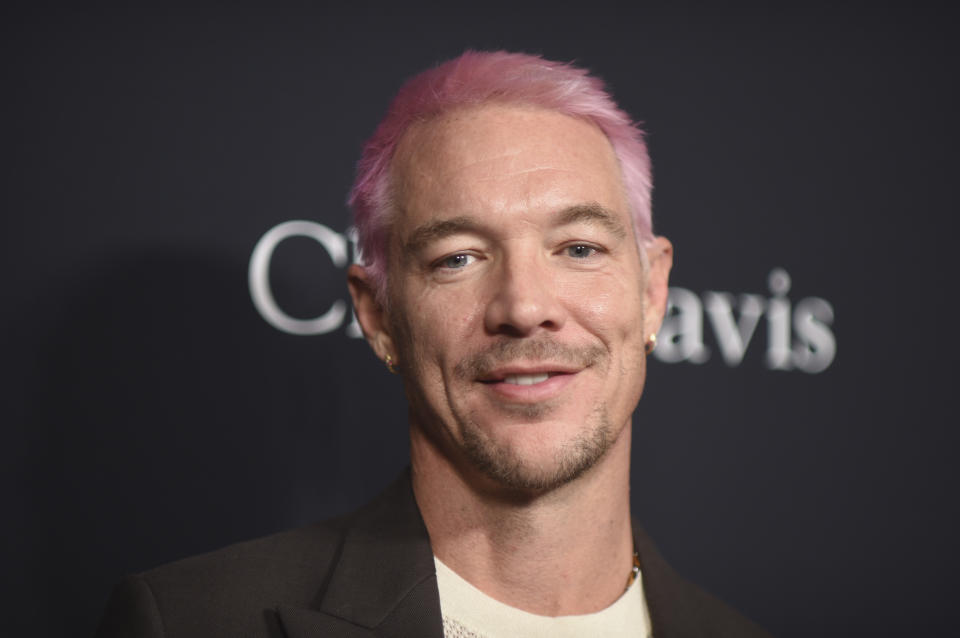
(472, 79)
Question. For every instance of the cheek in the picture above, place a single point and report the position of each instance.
(606, 305)
(440, 323)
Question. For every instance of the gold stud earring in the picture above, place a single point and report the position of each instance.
(651, 343)
(390, 365)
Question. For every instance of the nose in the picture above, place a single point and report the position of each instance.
(524, 299)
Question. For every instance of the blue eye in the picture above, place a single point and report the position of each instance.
(581, 251)
(457, 261)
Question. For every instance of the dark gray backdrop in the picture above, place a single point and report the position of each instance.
(150, 412)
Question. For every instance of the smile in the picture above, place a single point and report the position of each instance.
(529, 386)
(520, 376)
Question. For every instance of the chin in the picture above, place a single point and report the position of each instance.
(510, 465)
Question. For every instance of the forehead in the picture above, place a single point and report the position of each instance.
(503, 160)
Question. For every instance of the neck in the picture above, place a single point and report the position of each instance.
(563, 552)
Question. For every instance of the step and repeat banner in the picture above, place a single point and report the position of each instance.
(183, 369)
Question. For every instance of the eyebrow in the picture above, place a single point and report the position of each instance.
(432, 231)
(591, 213)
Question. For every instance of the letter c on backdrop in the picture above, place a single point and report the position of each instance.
(259, 277)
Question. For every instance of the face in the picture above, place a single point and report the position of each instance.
(519, 305)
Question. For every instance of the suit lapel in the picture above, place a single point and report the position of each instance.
(384, 582)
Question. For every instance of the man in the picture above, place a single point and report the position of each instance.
(512, 279)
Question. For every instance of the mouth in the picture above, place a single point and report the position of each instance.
(516, 376)
(523, 379)
(528, 385)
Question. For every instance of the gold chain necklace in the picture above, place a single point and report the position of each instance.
(634, 571)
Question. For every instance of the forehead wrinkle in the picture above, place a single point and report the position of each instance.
(521, 172)
(438, 168)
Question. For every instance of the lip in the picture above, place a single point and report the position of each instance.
(553, 369)
(560, 376)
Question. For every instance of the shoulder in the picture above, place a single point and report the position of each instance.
(285, 563)
(236, 590)
(227, 592)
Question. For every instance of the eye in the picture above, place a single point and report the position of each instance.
(455, 262)
(580, 251)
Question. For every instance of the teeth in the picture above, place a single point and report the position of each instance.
(526, 379)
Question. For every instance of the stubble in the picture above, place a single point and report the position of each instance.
(499, 460)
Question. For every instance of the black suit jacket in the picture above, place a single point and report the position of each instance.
(363, 575)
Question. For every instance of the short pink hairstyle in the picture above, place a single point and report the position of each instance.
(474, 78)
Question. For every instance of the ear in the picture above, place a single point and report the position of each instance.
(370, 314)
(659, 261)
